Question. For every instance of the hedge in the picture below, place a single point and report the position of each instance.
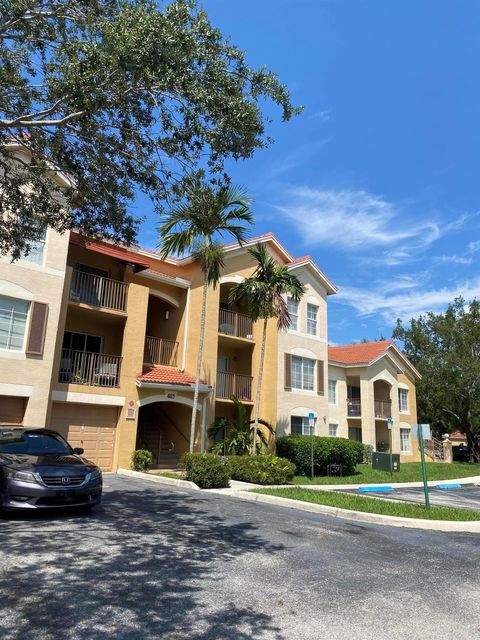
(261, 469)
(207, 470)
(326, 450)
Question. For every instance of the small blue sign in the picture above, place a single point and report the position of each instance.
(390, 423)
(311, 416)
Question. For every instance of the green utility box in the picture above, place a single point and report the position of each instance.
(381, 461)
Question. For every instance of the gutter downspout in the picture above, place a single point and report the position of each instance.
(185, 334)
(203, 430)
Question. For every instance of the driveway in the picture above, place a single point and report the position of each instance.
(166, 563)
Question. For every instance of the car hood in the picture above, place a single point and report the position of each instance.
(56, 463)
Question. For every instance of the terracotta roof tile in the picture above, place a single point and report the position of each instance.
(361, 353)
(166, 375)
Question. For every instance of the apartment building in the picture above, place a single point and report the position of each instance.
(368, 383)
(114, 370)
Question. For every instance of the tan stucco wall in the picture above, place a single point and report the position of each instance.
(295, 402)
(41, 283)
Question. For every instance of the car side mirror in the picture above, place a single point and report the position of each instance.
(79, 451)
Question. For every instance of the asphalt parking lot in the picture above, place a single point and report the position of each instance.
(468, 497)
(156, 562)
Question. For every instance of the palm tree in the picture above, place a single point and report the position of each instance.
(264, 293)
(237, 436)
(194, 226)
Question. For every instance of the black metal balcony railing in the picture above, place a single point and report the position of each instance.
(383, 408)
(98, 291)
(234, 384)
(236, 324)
(84, 367)
(160, 351)
(354, 408)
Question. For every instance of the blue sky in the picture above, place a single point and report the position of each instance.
(378, 179)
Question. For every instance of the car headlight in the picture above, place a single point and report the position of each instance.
(23, 476)
(95, 474)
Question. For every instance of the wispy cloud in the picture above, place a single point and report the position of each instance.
(467, 258)
(323, 115)
(296, 157)
(409, 304)
(354, 219)
(377, 231)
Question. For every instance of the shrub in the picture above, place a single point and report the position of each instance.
(326, 451)
(261, 469)
(367, 453)
(207, 470)
(141, 460)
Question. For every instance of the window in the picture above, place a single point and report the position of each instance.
(13, 322)
(403, 400)
(404, 440)
(332, 392)
(312, 312)
(302, 373)
(37, 249)
(293, 312)
(299, 426)
(82, 342)
(333, 430)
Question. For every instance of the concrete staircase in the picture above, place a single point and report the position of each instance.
(434, 449)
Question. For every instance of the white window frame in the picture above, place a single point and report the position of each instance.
(293, 311)
(403, 395)
(312, 322)
(332, 389)
(303, 362)
(36, 254)
(333, 426)
(11, 322)
(307, 430)
(408, 431)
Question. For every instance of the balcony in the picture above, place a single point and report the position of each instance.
(354, 409)
(98, 291)
(383, 409)
(234, 384)
(94, 369)
(232, 323)
(160, 351)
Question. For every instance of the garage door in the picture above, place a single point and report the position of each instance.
(12, 409)
(90, 427)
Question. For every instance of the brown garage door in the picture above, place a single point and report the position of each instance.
(12, 409)
(88, 426)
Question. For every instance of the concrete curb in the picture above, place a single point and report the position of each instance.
(186, 484)
(360, 516)
(396, 485)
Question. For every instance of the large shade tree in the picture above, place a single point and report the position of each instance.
(196, 226)
(121, 96)
(264, 294)
(445, 348)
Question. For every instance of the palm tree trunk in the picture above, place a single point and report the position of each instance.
(199, 362)
(259, 386)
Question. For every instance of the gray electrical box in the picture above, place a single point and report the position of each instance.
(381, 461)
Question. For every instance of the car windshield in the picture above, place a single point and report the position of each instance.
(35, 444)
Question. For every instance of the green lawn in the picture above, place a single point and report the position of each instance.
(169, 474)
(409, 472)
(370, 505)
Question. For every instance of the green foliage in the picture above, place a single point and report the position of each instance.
(206, 213)
(261, 469)
(264, 291)
(367, 453)
(238, 434)
(445, 348)
(326, 451)
(121, 96)
(207, 470)
(141, 460)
